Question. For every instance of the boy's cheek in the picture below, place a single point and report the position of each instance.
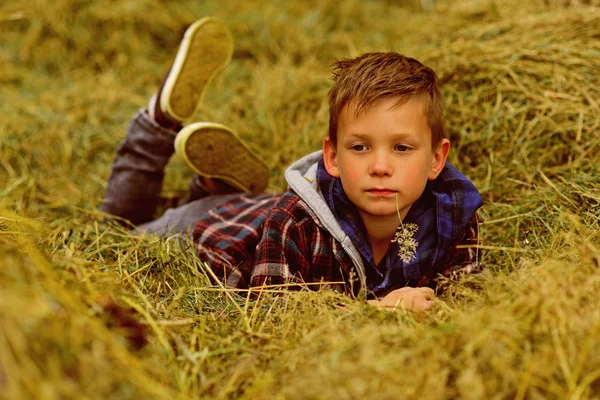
(351, 175)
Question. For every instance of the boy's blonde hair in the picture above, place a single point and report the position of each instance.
(375, 76)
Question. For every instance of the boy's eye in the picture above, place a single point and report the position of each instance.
(401, 147)
(359, 147)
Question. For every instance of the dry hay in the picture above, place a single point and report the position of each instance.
(520, 82)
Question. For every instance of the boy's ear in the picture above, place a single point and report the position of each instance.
(440, 155)
(330, 158)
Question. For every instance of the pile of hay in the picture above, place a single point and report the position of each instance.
(89, 311)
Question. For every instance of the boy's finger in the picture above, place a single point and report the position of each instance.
(424, 305)
(427, 290)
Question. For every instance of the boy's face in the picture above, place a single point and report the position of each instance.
(384, 152)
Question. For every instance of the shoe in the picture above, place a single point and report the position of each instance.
(206, 49)
(213, 151)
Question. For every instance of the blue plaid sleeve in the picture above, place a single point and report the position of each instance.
(463, 258)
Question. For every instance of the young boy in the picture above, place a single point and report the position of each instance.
(378, 211)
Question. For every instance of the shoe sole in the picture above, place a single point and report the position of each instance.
(206, 48)
(213, 151)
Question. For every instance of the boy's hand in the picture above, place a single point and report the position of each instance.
(415, 299)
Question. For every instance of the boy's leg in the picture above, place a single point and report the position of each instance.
(137, 173)
(214, 152)
(183, 219)
(136, 178)
(223, 162)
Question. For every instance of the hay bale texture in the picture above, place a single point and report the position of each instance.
(89, 311)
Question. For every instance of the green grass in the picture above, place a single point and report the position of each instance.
(522, 109)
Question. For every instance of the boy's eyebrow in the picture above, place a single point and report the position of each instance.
(395, 136)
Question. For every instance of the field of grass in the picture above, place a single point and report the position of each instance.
(522, 92)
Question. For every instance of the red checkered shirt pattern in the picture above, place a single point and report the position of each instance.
(257, 240)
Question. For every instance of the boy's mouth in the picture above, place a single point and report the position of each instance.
(381, 192)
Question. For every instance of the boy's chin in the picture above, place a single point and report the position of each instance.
(380, 212)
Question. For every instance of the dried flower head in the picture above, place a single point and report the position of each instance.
(405, 237)
(407, 245)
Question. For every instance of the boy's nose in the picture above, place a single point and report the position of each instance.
(380, 166)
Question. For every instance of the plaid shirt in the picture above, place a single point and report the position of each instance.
(270, 239)
(255, 240)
